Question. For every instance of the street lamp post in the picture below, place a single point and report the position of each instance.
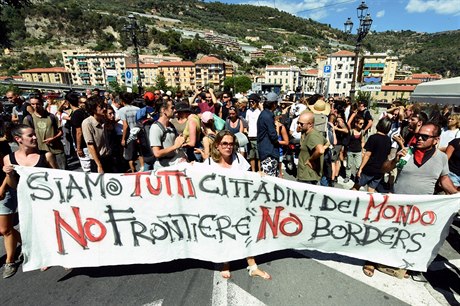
(365, 22)
(134, 31)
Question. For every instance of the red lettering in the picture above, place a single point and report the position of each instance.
(154, 191)
(275, 223)
(294, 219)
(272, 223)
(82, 233)
(79, 236)
(177, 175)
(402, 214)
(92, 222)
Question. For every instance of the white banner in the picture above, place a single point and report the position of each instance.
(73, 219)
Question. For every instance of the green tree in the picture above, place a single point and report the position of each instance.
(161, 83)
(239, 83)
(117, 88)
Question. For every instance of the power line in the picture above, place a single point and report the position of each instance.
(328, 5)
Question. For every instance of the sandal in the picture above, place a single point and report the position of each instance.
(253, 272)
(368, 270)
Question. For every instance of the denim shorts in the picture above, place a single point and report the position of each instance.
(369, 180)
(9, 204)
(455, 179)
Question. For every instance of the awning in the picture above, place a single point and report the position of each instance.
(445, 91)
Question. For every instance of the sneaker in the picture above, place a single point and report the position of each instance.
(346, 180)
(9, 269)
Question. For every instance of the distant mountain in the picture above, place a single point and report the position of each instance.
(39, 31)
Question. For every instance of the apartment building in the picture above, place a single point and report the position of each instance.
(148, 73)
(342, 65)
(178, 74)
(286, 76)
(396, 90)
(57, 75)
(94, 68)
(379, 66)
(210, 71)
(309, 80)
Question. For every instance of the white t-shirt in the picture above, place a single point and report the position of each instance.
(251, 117)
(293, 129)
(447, 136)
(238, 163)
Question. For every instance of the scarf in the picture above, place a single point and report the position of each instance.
(422, 156)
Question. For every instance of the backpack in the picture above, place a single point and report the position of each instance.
(144, 140)
(321, 124)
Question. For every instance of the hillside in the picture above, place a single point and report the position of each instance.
(40, 30)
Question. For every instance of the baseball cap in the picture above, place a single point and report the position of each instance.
(149, 96)
(206, 116)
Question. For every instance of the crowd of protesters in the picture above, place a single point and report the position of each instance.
(118, 133)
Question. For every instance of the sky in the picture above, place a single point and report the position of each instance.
(416, 15)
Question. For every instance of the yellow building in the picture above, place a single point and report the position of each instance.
(397, 90)
(56, 75)
(210, 71)
(149, 73)
(178, 74)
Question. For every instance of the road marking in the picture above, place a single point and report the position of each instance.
(226, 293)
(155, 303)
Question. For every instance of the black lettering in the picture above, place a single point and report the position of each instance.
(42, 187)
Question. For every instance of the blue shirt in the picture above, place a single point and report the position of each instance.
(267, 138)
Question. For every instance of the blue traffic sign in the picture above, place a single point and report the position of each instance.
(327, 69)
(129, 78)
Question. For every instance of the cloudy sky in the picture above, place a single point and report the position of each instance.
(417, 15)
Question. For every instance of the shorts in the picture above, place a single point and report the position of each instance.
(9, 204)
(253, 152)
(85, 161)
(335, 153)
(131, 151)
(455, 179)
(370, 180)
(270, 166)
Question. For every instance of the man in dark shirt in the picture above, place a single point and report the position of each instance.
(267, 138)
(77, 104)
(21, 108)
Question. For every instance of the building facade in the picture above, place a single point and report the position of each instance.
(178, 74)
(210, 72)
(339, 80)
(286, 76)
(56, 75)
(94, 68)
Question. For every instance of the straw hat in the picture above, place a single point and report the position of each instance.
(320, 107)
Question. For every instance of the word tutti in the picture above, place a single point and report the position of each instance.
(167, 179)
(401, 214)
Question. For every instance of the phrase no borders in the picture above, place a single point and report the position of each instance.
(73, 219)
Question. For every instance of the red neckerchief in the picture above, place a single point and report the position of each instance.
(412, 141)
(422, 156)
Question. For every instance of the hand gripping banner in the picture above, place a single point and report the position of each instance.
(74, 219)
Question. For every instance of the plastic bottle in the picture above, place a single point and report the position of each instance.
(403, 160)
